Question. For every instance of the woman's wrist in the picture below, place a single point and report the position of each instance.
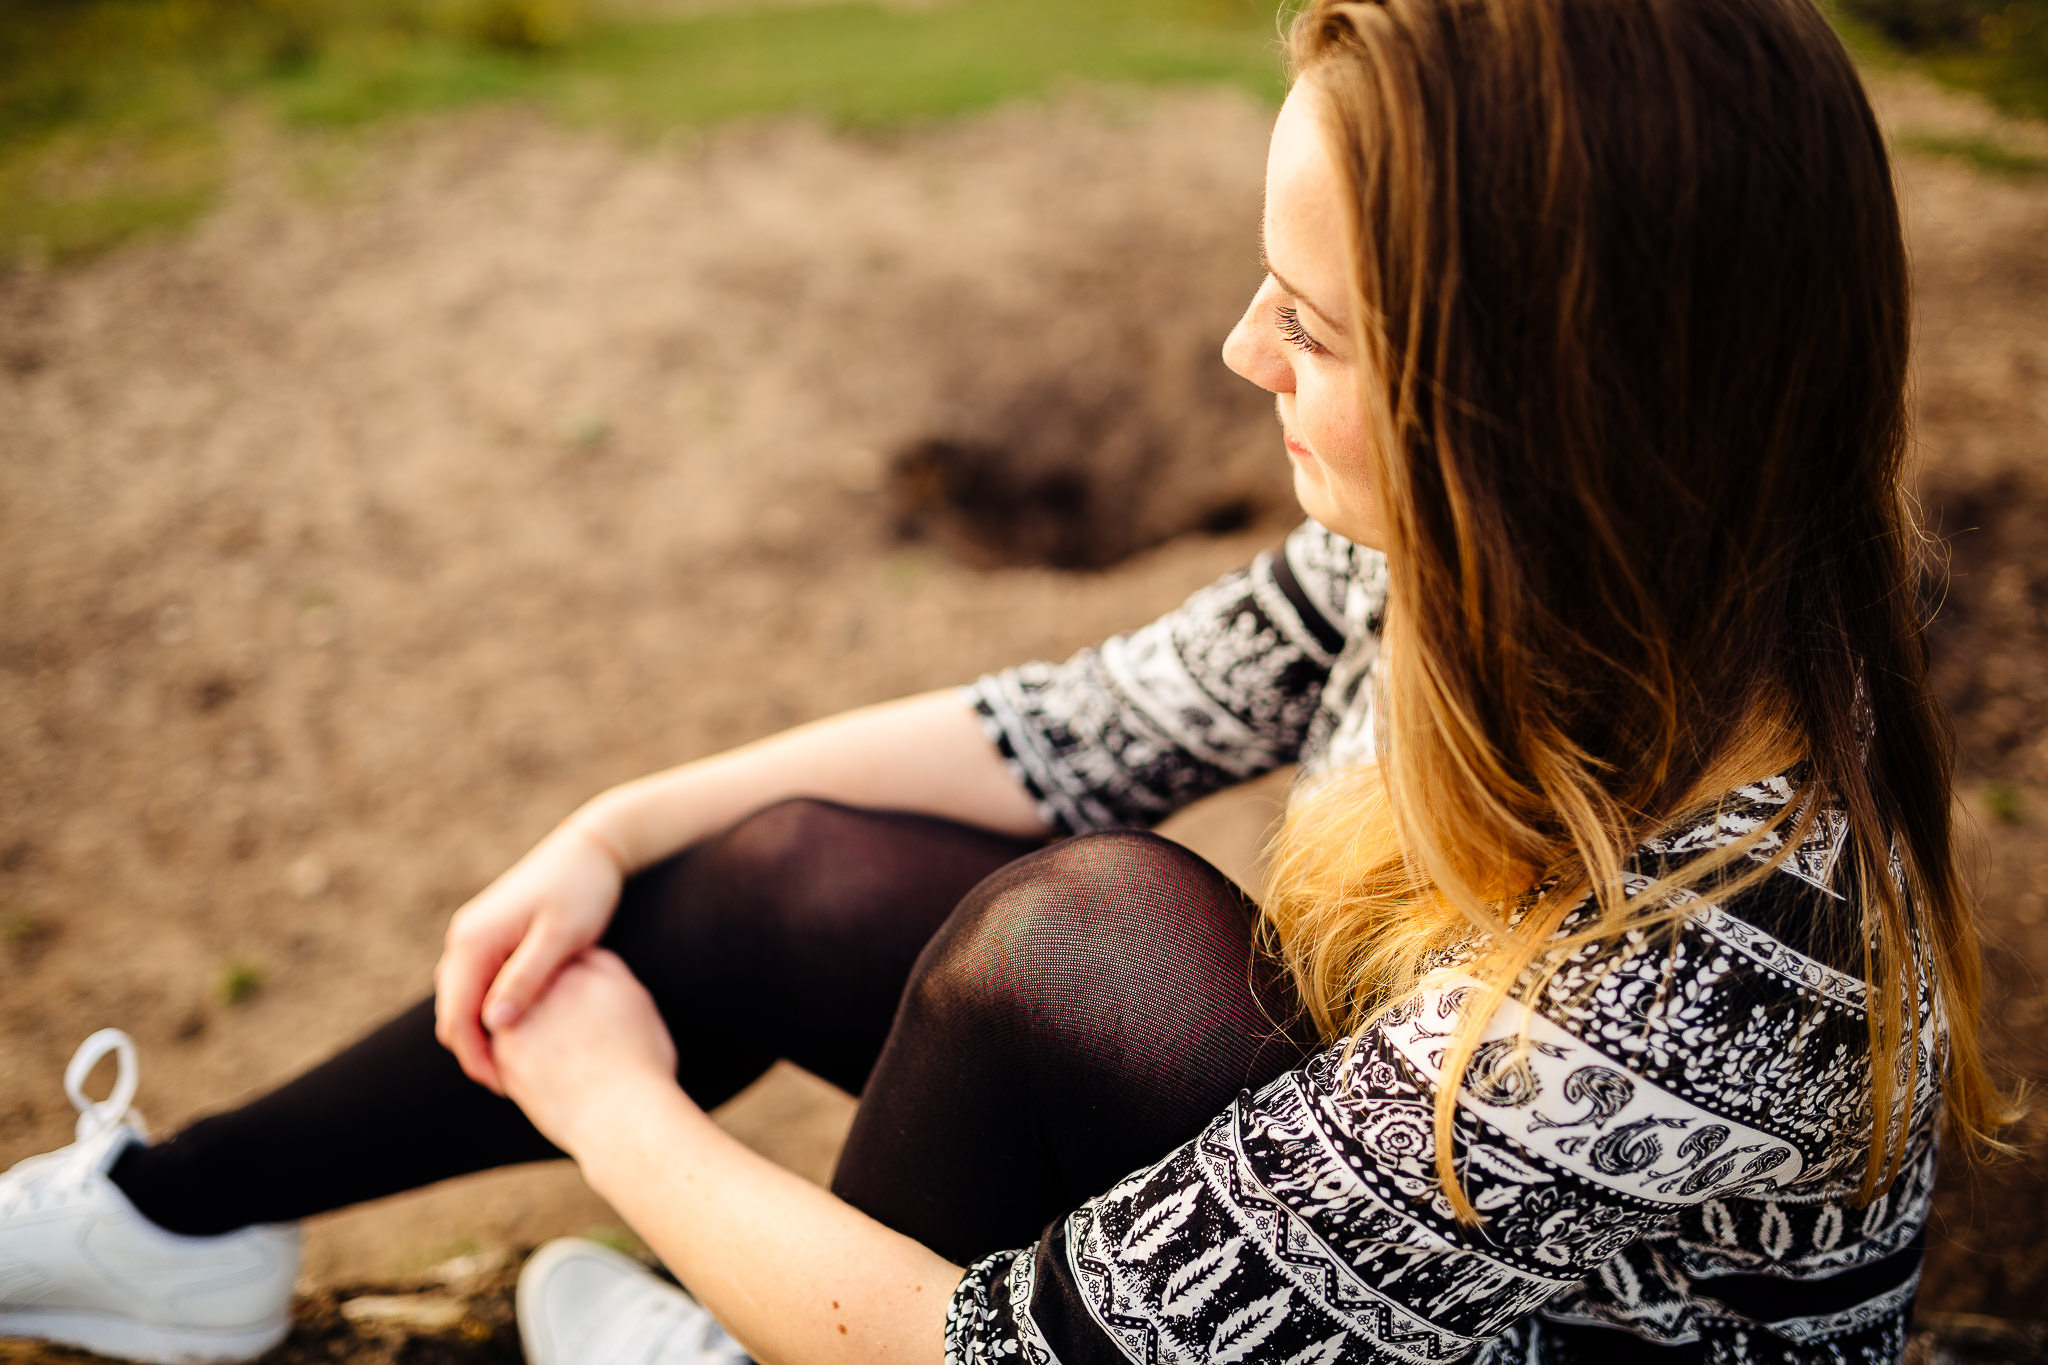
(612, 1109)
(630, 1119)
(642, 821)
(588, 823)
(605, 822)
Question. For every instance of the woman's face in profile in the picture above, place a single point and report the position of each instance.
(1295, 337)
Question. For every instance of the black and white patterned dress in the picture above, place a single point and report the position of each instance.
(1668, 1173)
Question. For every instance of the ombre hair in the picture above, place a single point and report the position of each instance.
(1631, 294)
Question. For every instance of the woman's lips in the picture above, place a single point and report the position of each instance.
(1296, 448)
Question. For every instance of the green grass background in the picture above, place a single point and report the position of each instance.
(116, 115)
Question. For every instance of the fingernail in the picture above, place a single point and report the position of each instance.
(498, 1014)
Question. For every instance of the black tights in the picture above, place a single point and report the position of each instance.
(1024, 1027)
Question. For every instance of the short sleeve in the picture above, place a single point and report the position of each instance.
(1217, 691)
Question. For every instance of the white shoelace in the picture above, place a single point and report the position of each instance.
(60, 1176)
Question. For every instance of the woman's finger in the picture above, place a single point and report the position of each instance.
(463, 977)
(464, 1036)
(527, 972)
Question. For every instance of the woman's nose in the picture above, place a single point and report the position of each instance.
(1252, 350)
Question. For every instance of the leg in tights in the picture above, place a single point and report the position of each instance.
(1085, 1011)
(790, 935)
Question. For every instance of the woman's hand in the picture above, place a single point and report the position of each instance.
(506, 945)
(764, 1249)
(583, 1052)
(925, 753)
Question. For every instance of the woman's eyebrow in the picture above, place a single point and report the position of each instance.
(1299, 297)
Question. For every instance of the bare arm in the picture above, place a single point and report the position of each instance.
(798, 1275)
(924, 753)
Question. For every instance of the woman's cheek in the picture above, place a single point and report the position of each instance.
(1338, 440)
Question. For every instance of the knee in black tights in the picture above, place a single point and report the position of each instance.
(1117, 958)
(791, 934)
(1083, 1012)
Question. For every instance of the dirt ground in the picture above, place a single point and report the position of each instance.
(447, 476)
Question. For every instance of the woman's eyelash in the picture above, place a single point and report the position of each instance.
(1293, 332)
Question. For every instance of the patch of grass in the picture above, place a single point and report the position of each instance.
(377, 76)
(1865, 43)
(1987, 154)
(1998, 48)
(2002, 802)
(39, 229)
(586, 435)
(461, 1249)
(905, 571)
(857, 63)
(111, 110)
(79, 190)
(617, 1239)
(135, 91)
(240, 979)
(20, 929)
(2016, 83)
(863, 65)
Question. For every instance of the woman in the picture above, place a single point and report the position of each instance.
(1615, 967)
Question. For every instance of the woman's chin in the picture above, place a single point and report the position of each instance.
(1316, 501)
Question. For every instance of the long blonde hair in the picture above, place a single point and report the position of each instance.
(1632, 293)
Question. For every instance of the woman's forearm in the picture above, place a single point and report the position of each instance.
(798, 1275)
(925, 753)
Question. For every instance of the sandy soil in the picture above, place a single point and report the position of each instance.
(351, 540)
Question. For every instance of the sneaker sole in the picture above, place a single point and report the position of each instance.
(127, 1339)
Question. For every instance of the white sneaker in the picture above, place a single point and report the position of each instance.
(79, 1265)
(583, 1304)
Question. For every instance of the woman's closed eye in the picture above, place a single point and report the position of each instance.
(1288, 322)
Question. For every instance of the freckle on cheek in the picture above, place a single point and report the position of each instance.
(842, 1329)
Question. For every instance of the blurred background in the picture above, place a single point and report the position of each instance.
(415, 417)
